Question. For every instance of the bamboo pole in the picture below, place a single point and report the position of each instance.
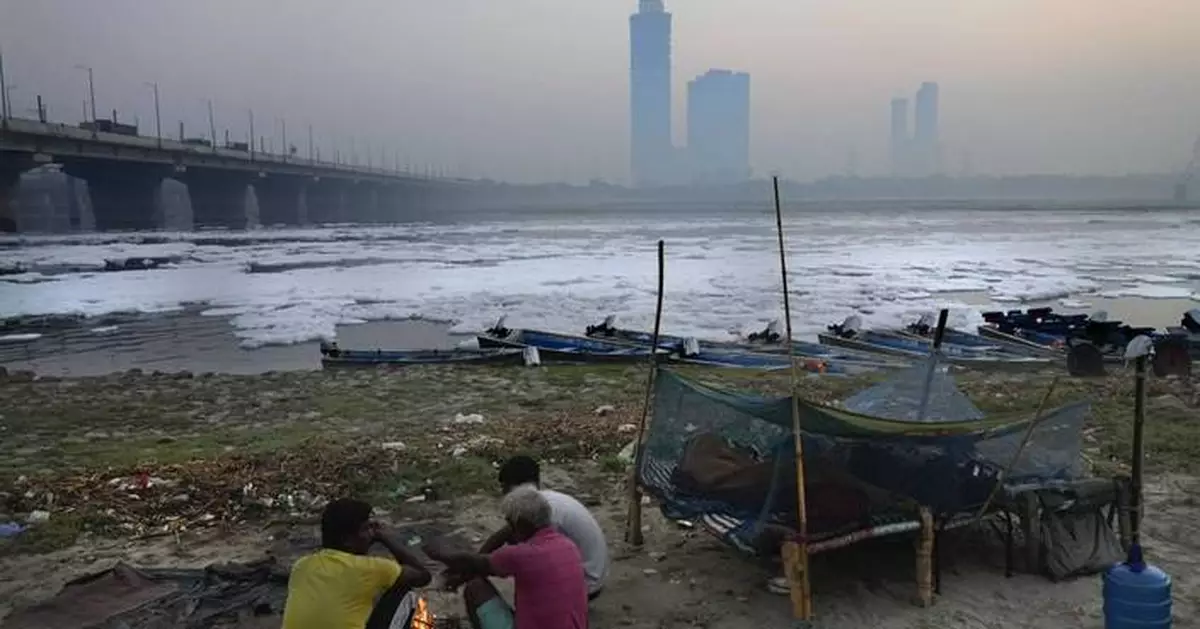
(633, 523)
(925, 559)
(795, 551)
(1037, 419)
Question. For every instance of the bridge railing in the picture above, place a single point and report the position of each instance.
(68, 132)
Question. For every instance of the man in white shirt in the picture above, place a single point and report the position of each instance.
(568, 516)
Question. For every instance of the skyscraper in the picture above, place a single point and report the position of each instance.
(651, 151)
(925, 142)
(719, 126)
(899, 139)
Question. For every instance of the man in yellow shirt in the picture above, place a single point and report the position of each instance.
(341, 587)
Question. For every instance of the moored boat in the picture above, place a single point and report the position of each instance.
(554, 347)
(836, 360)
(333, 356)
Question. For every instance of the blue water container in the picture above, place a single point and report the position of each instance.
(1136, 595)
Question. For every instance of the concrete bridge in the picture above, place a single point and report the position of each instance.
(124, 175)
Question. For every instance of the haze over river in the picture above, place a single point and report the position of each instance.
(559, 271)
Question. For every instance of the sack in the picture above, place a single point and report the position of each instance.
(712, 468)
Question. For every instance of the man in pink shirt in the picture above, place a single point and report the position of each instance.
(551, 592)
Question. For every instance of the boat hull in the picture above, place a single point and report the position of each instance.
(402, 358)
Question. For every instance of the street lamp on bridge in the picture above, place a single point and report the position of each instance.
(157, 115)
(3, 95)
(91, 94)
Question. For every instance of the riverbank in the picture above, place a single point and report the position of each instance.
(186, 340)
(214, 460)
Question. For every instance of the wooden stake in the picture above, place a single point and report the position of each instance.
(633, 523)
(795, 552)
(925, 559)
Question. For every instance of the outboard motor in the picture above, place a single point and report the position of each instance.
(330, 349)
(1191, 321)
(769, 335)
(608, 328)
(498, 330)
(849, 328)
(924, 326)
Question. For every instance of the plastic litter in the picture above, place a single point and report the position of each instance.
(11, 529)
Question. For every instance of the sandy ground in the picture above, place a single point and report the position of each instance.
(683, 578)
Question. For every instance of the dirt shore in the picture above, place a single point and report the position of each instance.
(229, 467)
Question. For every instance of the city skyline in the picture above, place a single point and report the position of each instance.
(718, 124)
(536, 90)
(652, 158)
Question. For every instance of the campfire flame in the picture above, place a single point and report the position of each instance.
(422, 618)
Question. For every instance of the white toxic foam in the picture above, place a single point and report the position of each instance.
(564, 274)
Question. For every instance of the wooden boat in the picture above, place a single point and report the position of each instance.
(810, 354)
(1034, 341)
(334, 357)
(554, 347)
(966, 339)
(915, 349)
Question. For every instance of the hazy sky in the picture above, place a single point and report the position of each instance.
(533, 90)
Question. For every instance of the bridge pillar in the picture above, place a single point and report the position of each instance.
(218, 197)
(9, 178)
(364, 203)
(123, 196)
(327, 201)
(281, 200)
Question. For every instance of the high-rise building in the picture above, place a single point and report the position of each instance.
(925, 142)
(651, 152)
(719, 126)
(900, 140)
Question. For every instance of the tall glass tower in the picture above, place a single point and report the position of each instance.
(651, 151)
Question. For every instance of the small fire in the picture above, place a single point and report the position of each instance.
(422, 618)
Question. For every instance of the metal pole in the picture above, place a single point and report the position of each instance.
(251, 138)
(283, 129)
(41, 109)
(91, 94)
(311, 159)
(212, 126)
(1139, 422)
(3, 94)
(157, 115)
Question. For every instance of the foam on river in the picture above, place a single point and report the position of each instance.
(289, 286)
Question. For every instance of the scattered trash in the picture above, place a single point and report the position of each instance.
(649, 572)
(601, 411)
(38, 517)
(458, 451)
(658, 556)
(393, 445)
(625, 429)
(779, 585)
(626, 454)
(473, 418)
(11, 529)
(416, 498)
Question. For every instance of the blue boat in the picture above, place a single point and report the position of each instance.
(554, 347)
(891, 345)
(332, 356)
(835, 360)
(557, 347)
